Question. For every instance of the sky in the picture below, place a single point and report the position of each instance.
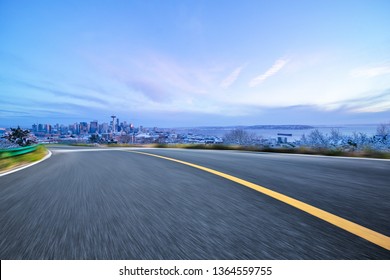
(195, 63)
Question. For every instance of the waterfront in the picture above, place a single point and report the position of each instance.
(348, 129)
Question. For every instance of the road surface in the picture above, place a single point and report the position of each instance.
(119, 204)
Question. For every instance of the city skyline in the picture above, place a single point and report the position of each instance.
(195, 63)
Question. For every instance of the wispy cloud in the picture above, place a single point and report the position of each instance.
(156, 76)
(150, 90)
(371, 103)
(278, 65)
(369, 72)
(229, 80)
(62, 93)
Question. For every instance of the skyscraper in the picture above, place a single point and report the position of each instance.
(113, 123)
(83, 128)
(93, 127)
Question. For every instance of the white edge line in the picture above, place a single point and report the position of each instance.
(211, 150)
(276, 153)
(26, 166)
(329, 157)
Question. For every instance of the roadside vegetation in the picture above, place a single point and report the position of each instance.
(18, 138)
(123, 145)
(315, 143)
(17, 161)
(300, 150)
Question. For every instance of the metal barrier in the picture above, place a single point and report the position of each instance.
(6, 153)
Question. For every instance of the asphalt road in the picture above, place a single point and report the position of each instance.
(115, 204)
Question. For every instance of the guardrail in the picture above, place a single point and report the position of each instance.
(6, 153)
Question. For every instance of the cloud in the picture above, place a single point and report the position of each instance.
(154, 74)
(61, 93)
(370, 72)
(150, 90)
(168, 71)
(278, 65)
(372, 103)
(229, 80)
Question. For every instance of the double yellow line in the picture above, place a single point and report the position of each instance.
(363, 232)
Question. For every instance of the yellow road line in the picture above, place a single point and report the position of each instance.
(363, 232)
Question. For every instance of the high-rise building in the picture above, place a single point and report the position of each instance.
(47, 128)
(83, 128)
(63, 129)
(113, 123)
(103, 128)
(74, 128)
(93, 127)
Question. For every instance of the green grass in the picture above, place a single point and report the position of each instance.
(13, 162)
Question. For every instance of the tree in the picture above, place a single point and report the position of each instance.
(239, 136)
(126, 138)
(335, 138)
(316, 139)
(94, 138)
(383, 130)
(20, 137)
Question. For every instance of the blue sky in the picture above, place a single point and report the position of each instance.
(195, 63)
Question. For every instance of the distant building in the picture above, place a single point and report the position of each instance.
(63, 129)
(103, 128)
(113, 123)
(93, 127)
(106, 136)
(117, 126)
(47, 128)
(284, 137)
(83, 128)
(40, 127)
(74, 128)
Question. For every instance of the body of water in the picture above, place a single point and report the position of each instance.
(369, 129)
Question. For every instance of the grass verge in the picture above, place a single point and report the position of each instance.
(367, 153)
(106, 145)
(17, 161)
